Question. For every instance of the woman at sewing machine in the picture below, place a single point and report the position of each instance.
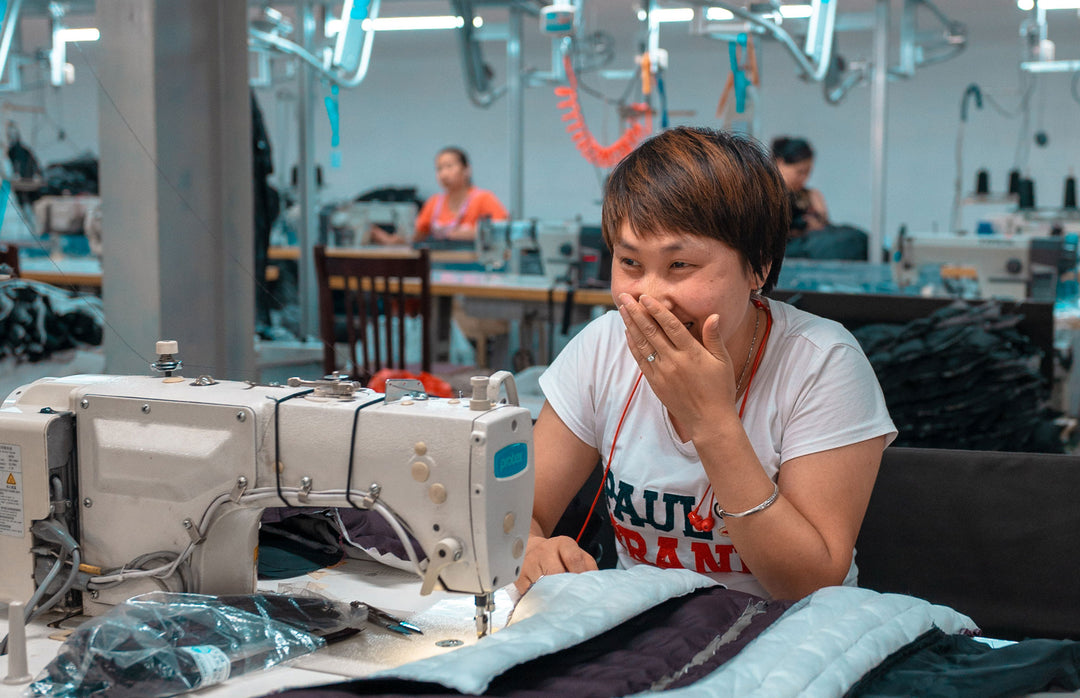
(453, 213)
(741, 436)
(795, 160)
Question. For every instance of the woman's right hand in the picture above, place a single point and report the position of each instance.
(383, 237)
(545, 556)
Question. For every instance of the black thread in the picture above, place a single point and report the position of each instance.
(277, 441)
(352, 450)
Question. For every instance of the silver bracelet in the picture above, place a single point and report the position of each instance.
(721, 514)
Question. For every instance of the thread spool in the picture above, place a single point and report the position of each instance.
(982, 183)
(1027, 194)
(1014, 182)
(1070, 192)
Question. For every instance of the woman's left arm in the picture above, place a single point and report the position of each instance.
(819, 212)
(805, 540)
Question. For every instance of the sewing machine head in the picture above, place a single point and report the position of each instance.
(560, 249)
(551, 248)
(162, 480)
(1011, 267)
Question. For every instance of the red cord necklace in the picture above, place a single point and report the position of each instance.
(696, 520)
(707, 522)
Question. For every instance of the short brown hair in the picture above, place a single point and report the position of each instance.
(700, 181)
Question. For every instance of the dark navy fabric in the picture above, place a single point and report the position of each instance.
(957, 666)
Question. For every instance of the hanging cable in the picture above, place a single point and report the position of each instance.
(744, 73)
(662, 94)
(972, 92)
(611, 454)
(56, 533)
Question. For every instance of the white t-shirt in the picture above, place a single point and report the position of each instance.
(814, 390)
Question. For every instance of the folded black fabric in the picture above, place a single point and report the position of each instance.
(963, 377)
(332, 528)
(937, 664)
(37, 320)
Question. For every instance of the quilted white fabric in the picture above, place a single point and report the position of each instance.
(825, 643)
(558, 612)
(820, 647)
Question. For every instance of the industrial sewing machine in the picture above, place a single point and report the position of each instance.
(551, 248)
(117, 485)
(349, 224)
(1015, 267)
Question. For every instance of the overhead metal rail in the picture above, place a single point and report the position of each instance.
(817, 58)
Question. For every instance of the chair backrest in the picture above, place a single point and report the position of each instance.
(9, 255)
(364, 285)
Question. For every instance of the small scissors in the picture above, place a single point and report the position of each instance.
(392, 623)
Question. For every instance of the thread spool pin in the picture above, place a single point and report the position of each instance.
(1027, 194)
(17, 673)
(1014, 182)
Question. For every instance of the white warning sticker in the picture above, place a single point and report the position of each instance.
(11, 498)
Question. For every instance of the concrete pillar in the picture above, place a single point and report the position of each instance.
(176, 184)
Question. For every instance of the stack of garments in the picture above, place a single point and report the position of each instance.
(37, 319)
(963, 378)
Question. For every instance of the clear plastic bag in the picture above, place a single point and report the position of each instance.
(163, 644)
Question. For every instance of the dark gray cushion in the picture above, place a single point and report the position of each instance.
(995, 535)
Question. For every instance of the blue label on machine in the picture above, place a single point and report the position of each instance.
(511, 460)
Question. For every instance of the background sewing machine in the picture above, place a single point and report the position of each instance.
(117, 485)
(349, 224)
(551, 248)
(1015, 267)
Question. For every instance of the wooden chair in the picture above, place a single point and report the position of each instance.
(372, 284)
(9, 255)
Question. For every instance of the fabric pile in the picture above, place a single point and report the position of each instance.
(37, 319)
(963, 377)
(294, 541)
(163, 643)
(830, 242)
(646, 630)
(79, 175)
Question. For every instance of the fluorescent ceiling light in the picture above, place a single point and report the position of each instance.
(382, 24)
(389, 24)
(718, 14)
(796, 11)
(672, 14)
(82, 34)
(1049, 4)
